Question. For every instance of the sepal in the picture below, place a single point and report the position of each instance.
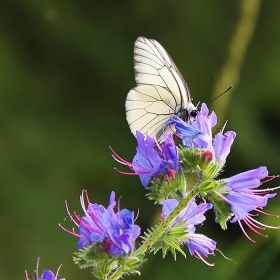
(221, 207)
(104, 264)
(199, 161)
(171, 239)
(172, 185)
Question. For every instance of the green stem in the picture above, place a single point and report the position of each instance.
(229, 75)
(159, 231)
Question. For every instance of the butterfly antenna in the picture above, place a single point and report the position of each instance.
(229, 88)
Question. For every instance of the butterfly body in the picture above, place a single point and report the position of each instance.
(160, 92)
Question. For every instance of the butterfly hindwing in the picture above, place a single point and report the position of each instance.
(148, 108)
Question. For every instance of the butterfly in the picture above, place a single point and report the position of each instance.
(160, 92)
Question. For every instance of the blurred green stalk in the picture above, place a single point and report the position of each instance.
(229, 75)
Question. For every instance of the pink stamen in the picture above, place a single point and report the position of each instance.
(198, 256)
(137, 215)
(87, 226)
(227, 258)
(118, 158)
(70, 215)
(173, 129)
(94, 218)
(130, 165)
(136, 168)
(251, 226)
(125, 173)
(265, 225)
(260, 192)
(157, 144)
(37, 268)
(269, 178)
(265, 191)
(244, 232)
(68, 231)
(58, 271)
(147, 156)
(122, 162)
(265, 213)
(175, 133)
(251, 221)
(222, 130)
(253, 215)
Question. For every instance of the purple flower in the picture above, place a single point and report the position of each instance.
(193, 214)
(169, 153)
(47, 274)
(149, 161)
(186, 132)
(116, 231)
(244, 198)
(221, 144)
(199, 245)
(199, 134)
(205, 123)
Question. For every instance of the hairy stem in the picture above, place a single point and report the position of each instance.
(159, 231)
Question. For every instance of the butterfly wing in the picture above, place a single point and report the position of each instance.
(160, 92)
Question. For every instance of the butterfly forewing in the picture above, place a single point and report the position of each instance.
(161, 91)
(184, 90)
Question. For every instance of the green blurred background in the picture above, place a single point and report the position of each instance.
(65, 70)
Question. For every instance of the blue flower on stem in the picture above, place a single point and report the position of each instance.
(199, 245)
(202, 134)
(185, 131)
(221, 143)
(243, 198)
(149, 161)
(116, 231)
(169, 153)
(47, 274)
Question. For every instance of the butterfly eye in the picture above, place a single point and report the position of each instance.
(194, 113)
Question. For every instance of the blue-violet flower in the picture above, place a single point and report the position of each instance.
(185, 131)
(219, 146)
(199, 245)
(149, 161)
(244, 198)
(115, 231)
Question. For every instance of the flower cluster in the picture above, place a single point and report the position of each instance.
(107, 236)
(244, 198)
(150, 161)
(238, 191)
(199, 245)
(113, 232)
(233, 199)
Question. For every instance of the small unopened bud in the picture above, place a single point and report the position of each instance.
(207, 156)
(171, 173)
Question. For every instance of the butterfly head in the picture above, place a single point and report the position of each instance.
(188, 113)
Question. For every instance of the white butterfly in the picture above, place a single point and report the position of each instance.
(160, 92)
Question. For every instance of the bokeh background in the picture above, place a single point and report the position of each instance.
(65, 70)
